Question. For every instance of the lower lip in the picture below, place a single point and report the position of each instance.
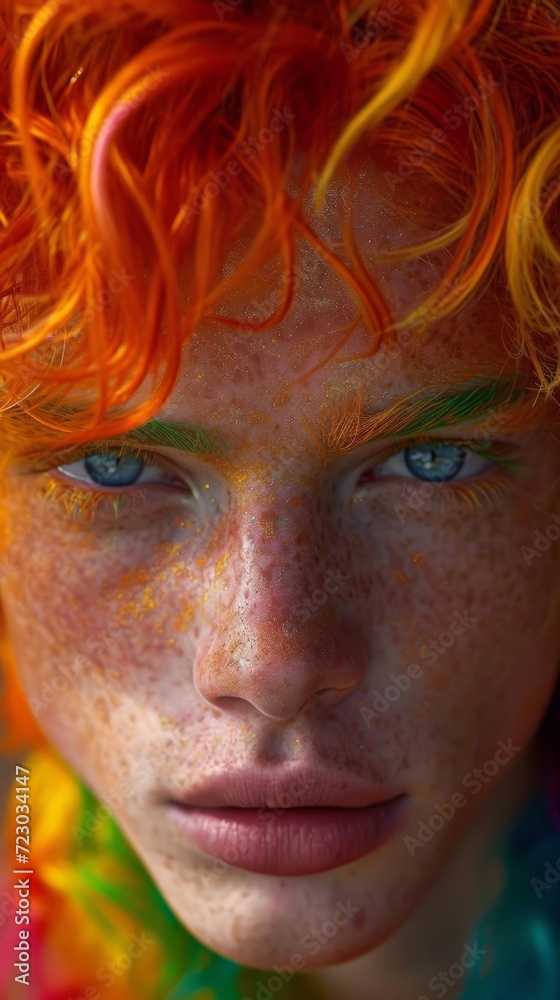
(290, 841)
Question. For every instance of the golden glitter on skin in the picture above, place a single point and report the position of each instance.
(75, 502)
(418, 560)
(221, 564)
(400, 578)
(269, 527)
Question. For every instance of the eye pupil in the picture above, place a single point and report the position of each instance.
(434, 461)
(114, 470)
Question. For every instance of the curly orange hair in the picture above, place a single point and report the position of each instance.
(121, 119)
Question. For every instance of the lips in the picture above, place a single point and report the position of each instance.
(287, 822)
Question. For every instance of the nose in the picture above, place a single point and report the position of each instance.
(284, 639)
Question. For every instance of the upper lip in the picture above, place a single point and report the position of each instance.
(281, 786)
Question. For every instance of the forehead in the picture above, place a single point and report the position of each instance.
(322, 348)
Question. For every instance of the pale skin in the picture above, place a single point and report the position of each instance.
(202, 674)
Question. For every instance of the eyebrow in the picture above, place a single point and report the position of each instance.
(183, 437)
(502, 400)
(350, 425)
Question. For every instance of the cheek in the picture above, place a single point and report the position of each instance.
(95, 621)
(464, 634)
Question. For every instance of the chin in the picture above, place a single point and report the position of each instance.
(304, 923)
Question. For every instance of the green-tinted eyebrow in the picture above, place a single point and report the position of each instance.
(349, 425)
(472, 404)
(183, 437)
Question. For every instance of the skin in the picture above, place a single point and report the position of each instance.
(209, 667)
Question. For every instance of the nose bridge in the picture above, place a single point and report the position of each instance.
(266, 648)
(276, 556)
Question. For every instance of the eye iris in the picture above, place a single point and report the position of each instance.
(431, 461)
(114, 470)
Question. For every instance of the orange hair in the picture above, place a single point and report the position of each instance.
(118, 116)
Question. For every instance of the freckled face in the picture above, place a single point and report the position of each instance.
(265, 610)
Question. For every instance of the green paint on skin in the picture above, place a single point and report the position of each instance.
(183, 437)
(416, 415)
(470, 405)
(485, 450)
(467, 405)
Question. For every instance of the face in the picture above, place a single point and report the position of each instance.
(279, 628)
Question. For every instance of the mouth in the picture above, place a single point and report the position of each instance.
(295, 823)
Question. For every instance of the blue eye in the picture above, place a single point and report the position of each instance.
(114, 470)
(117, 469)
(435, 461)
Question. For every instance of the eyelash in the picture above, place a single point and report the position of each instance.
(466, 493)
(82, 502)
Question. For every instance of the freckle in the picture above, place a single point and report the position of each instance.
(400, 578)
(419, 560)
(441, 758)
(116, 673)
